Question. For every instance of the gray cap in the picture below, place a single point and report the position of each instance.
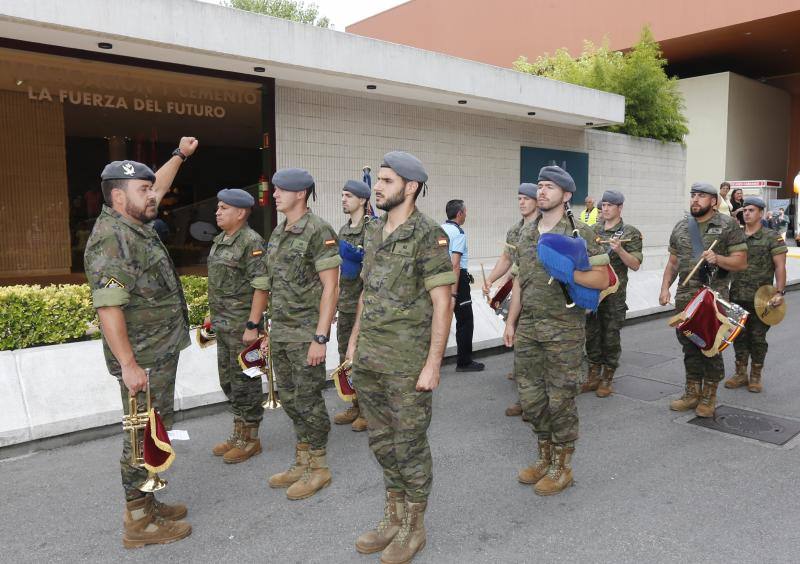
(528, 189)
(754, 201)
(236, 197)
(406, 165)
(127, 170)
(357, 188)
(558, 176)
(293, 179)
(613, 197)
(704, 188)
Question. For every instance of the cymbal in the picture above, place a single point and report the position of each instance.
(765, 312)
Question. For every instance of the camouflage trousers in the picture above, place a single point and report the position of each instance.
(162, 398)
(244, 394)
(344, 328)
(697, 365)
(398, 417)
(547, 374)
(752, 342)
(603, 344)
(300, 387)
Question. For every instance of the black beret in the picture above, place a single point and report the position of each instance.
(357, 188)
(558, 176)
(293, 179)
(127, 170)
(236, 197)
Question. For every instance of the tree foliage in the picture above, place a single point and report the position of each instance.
(653, 103)
(294, 10)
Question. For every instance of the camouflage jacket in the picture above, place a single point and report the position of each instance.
(719, 227)
(544, 314)
(237, 265)
(295, 257)
(762, 246)
(510, 248)
(621, 230)
(350, 290)
(128, 266)
(398, 273)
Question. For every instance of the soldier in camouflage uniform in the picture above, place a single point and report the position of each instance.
(143, 320)
(703, 373)
(766, 261)
(397, 346)
(603, 345)
(355, 199)
(303, 270)
(548, 338)
(237, 298)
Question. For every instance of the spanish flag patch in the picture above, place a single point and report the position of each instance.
(257, 253)
(330, 242)
(441, 241)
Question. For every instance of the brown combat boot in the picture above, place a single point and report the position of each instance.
(690, 398)
(359, 425)
(559, 477)
(221, 448)
(739, 379)
(248, 444)
(514, 410)
(316, 477)
(410, 539)
(174, 512)
(394, 511)
(604, 389)
(538, 469)
(142, 526)
(347, 416)
(755, 384)
(295, 471)
(709, 400)
(592, 379)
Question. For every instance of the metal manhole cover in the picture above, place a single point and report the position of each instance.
(643, 389)
(643, 359)
(767, 428)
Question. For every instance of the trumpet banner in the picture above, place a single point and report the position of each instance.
(157, 448)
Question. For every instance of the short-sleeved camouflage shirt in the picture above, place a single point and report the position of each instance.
(237, 265)
(295, 257)
(719, 227)
(762, 246)
(512, 240)
(399, 272)
(350, 290)
(128, 266)
(621, 230)
(544, 313)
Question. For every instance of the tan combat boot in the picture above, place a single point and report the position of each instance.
(248, 444)
(221, 448)
(295, 471)
(604, 390)
(316, 477)
(359, 425)
(347, 416)
(755, 384)
(709, 400)
(142, 526)
(410, 539)
(690, 398)
(394, 511)
(174, 512)
(592, 379)
(538, 469)
(739, 379)
(514, 410)
(559, 477)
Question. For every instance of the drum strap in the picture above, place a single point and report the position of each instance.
(697, 239)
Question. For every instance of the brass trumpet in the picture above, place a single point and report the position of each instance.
(134, 423)
(272, 401)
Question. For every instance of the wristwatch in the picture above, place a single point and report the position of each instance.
(321, 339)
(250, 325)
(781, 292)
(178, 153)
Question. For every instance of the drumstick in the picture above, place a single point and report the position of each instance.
(483, 273)
(698, 265)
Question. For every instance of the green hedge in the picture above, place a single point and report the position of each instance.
(33, 315)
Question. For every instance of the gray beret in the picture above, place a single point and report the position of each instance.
(236, 197)
(613, 197)
(558, 176)
(128, 170)
(357, 188)
(406, 165)
(704, 188)
(754, 201)
(293, 179)
(528, 189)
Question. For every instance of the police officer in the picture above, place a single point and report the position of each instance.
(623, 243)
(143, 319)
(237, 298)
(303, 265)
(766, 261)
(397, 346)
(690, 240)
(548, 338)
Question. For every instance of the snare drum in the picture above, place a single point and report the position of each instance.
(710, 322)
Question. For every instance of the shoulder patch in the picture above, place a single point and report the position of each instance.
(114, 283)
(330, 242)
(257, 253)
(441, 241)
